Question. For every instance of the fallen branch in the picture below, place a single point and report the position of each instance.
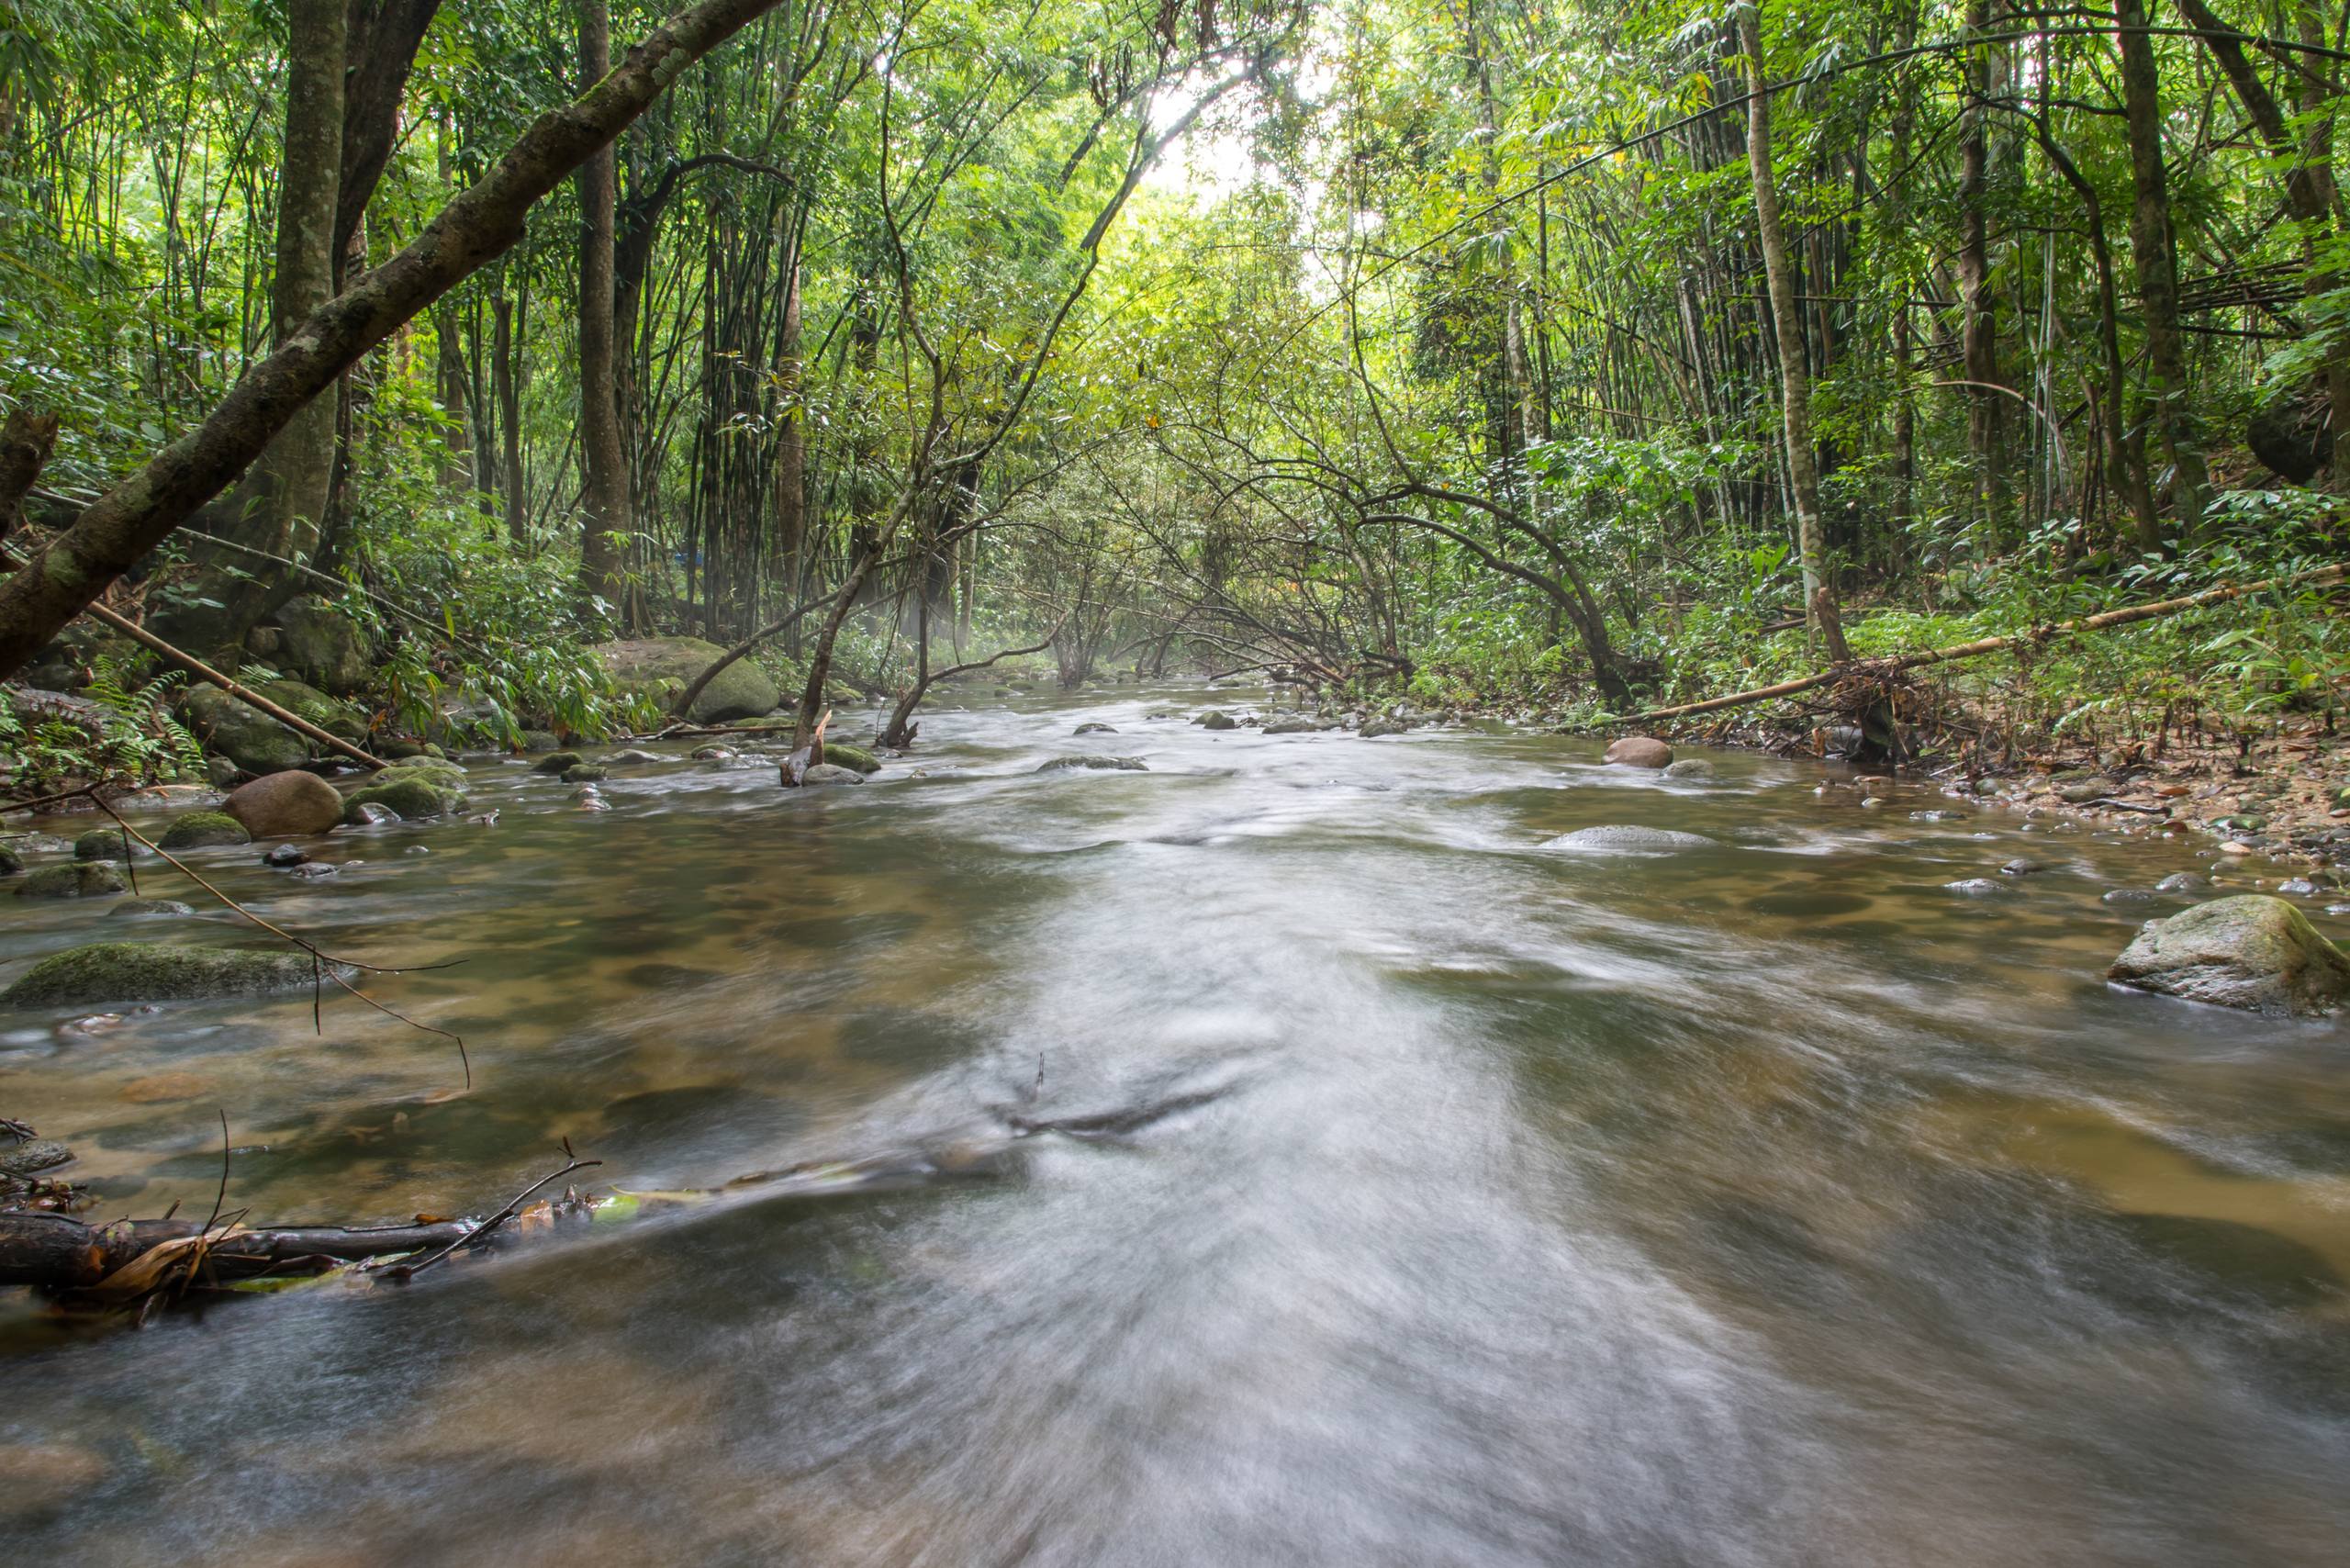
(514, 1207)
(897, 734)
(684, 705)
(1879, 668)
(52, 1251)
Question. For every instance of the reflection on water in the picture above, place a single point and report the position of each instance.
(1763, 1202)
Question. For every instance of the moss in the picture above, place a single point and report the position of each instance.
(99, 844)
(555, 762)
(411, 797)
(141, 971)
(854, 758)
(202, 830)
(84, 878)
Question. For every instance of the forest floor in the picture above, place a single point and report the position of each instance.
(2285, 795)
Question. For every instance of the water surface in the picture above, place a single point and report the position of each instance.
(1435, 1196)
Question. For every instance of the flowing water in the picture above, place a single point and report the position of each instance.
(1410, 1193)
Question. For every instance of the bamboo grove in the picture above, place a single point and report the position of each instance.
(1382, 341)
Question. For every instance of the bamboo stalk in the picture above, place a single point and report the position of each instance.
(2321, 578)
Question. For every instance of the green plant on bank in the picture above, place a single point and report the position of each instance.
(127, 734)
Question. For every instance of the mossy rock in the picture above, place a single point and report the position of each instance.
(84, 878)
(586, 773)
(661, 666)
(854, 758)
(556, 762)
(2251, 951)
(11, 863)
(144, 972)
(204, 830)
(102, 843)
(540, 740)
(413, 798)
(151, 906)
(318, 642)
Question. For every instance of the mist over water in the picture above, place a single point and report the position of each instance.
(1427, 1194)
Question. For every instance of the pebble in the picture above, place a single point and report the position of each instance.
(2235, 846)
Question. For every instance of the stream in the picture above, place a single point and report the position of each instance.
(1415, 1194)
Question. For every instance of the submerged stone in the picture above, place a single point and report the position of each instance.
(410, 794)
(140, 971)
(1099, 764)
(84, 878)
(2251, 951)
(1639, 751)
(150, 906)
(1622, 839)
(204, 830)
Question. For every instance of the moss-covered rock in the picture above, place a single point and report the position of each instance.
(11, 863)
(150, 906)
(555, 762)
(410, 795)
(323, 646)
(585, 773)
(1097, 764)
(144, 972)
(204, 830)
(84, 878)
(854, 758)
(540, 740)
(2251, 951)
(255, 741)
(662, 667)
(101, 843)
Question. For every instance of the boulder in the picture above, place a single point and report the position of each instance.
(410, 794)
(629, 758)
(142, 971)
(1380, 729)
(854, 758)
(1217, 719)
(204, 830)
(84, 878)
(323, 646)
(1619, 839)
(1690, 769)
(246, 736)
(10, 862)
(1111, 764)
(585, 773)
(1295, 725)
(831, 773)
(662, 667)
(1639, 751)
(540, 740)
(2182, 882)
(1095, 729)
(555, 762)
(284, 804)
(2250, 951)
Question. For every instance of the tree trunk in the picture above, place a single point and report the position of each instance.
(480, 224)
(1795, 380)
(1979, 336)
(604, 503)
(2157, 264)
(300, 462)
(790, 440)
(510, 418)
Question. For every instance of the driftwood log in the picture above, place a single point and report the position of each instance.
(54, 1252)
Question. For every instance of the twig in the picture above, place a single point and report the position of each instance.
(409, 1270)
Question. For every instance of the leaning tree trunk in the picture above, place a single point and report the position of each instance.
(604, 509)
(2152, 249)
(483, 221)
(1794, 381)
(1980, 329)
